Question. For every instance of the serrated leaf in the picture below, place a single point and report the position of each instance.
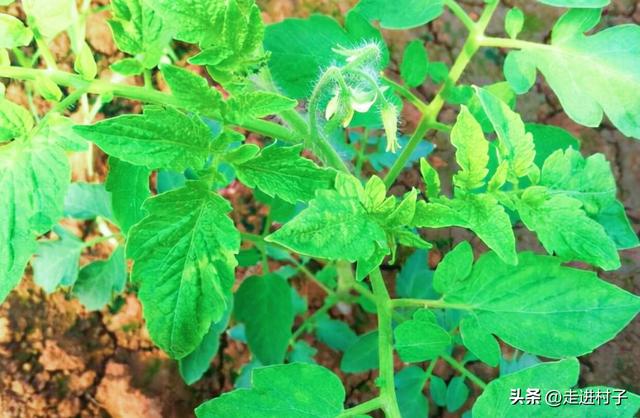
(471, 151)
(588, 77)
(56, 261)
(480, 213)
(431, 178)
(195, 365)
(414, 13)
(258, 104)
(564, 228)
(263, 304)
(51, 16)
(129, 188)
(13, 33)
(292, 390)
(542, 307)
(139, 31)
(128, 67)
(87, 201)
(514, 144)
(420, 339)
(282, 172)
(414, 67)
(454, 268)
(192, 91)
(98, 281)
(183, 254)
(15, 120)
(480, 342)
(159, 138)
(362, 355)
(335, 226)
(33, 176)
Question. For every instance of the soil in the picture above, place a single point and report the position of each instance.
(58, 360)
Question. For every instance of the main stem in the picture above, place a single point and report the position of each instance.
(430, 115)
(385, 346)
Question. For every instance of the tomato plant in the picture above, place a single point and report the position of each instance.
(319, 94)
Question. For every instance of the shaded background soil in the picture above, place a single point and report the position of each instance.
(58, 360)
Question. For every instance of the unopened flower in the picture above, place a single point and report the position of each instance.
(389, 115)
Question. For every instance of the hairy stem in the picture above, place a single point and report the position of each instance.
(463, 371)
(385, 346)
(459, 12)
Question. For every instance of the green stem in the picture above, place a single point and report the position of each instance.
(385, 346)
(430, 115)
(362, 152)
(142, 94)
(463, 370)
(148, 81)
(329, 302)
(407, 94)
(45, 52)
(488, 41)
(428, 304)
(363, 408)
(459, 12)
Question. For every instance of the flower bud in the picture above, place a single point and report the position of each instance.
(389, 115)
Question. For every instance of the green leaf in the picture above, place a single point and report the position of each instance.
(159, 138)
(542, 307)
(520, 71)
(87, 201)
(515, 144)
(34, 177)
(589, 80)
(282, 172)
(128, 67)
(335, 334)
(414, 13)
(472, 151)
(616, 224)
(362, 355)
(481, 343)
(576, 3)
(415, 280)
(420, 338)
(292, 390)
(302, 352)
(409, 383)
(335, 226)
(98, 281)
(415, 64)
(295, 67)
(195, 365)
(503, 91)
(129, 188)
(139, 31)
(548, 139)
(51, 16)
(564, 228)
(457, 394)
(263, 304)
(258, 104)
(15, 121)
(192, 91)
(48, 89)
(431, 178)
(454, 268)
(13, 33)
(183, 254)
(438, 391)
(480, 213)
(514, 22)
(56, 261)
(85, 63)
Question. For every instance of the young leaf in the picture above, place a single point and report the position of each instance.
(293, 390)
(128, 67)
(85, 63)
(192, 91)
(454, 268)
(409, 383)
(415, 280)
(420, 339)
(542, 307)
(431, 178)
(472, 151)
(258, 104)
(56, 262)
(13, 33)
(587, 78)
(47, 89)
(513, 22)
(129, 187)
(515, 144)
(565, 229)
(139, 31)
(183, 254)
(415, 64)
(548, 139)
(414, 13)
(520, 71)
(34, 176)
(98, 280)
(457, 394)
(362, 355)
(87, 201)
(335, 226)
(480, 213)
(263, 304)
(15, 121)
(159, 138)
(195, 365)
(51, 16)
(282, 172)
